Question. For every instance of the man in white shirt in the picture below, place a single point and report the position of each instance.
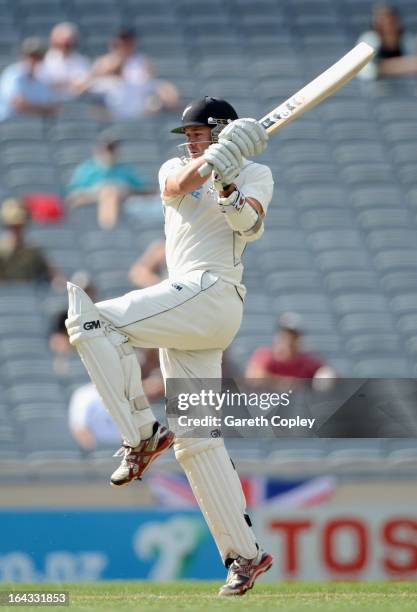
(63, 67)
(127, 80)
(22, 93)
(192, 317)
(89, 421)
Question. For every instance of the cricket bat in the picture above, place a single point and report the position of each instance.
(323, 86)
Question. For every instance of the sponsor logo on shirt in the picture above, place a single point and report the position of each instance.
(176, 286)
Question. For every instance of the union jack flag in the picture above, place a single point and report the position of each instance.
(173, 491)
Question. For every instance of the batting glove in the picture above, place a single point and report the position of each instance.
(225, 159)
(248, 134)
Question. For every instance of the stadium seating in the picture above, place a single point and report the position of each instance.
(340, 240)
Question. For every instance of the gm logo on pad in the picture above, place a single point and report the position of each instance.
(92, 325)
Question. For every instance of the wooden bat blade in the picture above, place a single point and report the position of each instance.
(323, 86)
(326, 84)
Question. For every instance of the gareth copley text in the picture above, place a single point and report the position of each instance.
(258, 421)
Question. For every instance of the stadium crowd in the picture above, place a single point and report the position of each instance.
(122, 85)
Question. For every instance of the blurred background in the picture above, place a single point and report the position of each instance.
(89, 90)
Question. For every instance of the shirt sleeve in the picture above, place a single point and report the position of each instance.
(81, 177)
(370, 71)
(261, 357)
(77, 411)
(169, 167)
(256, 182)
(313, 363)
(134, 179)
(10, 86)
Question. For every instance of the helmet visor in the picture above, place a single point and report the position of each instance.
(192, 150)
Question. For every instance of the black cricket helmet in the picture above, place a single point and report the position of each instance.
(212, 112)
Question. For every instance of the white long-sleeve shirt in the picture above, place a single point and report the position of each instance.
(197, 234)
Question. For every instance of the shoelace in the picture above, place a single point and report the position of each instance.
(151, 444)
(122, 451)
(240, 567)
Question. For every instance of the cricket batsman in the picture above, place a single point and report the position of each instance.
(192, 317)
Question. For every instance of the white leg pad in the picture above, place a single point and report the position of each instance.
(111, 364)
(218, 490)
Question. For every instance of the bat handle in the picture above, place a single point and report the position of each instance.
(204, 170)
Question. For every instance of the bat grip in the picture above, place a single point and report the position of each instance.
(204, 170)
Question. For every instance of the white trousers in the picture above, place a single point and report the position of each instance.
(197, 312)
(192, 319)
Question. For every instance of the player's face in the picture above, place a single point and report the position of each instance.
(198, 139)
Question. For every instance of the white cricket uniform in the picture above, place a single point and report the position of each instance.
(193, 315)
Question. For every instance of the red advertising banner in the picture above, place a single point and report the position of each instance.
(340, 543)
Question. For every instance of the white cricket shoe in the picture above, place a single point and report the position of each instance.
(243, 573)
(137, 460)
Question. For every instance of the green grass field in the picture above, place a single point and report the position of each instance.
(201, 596)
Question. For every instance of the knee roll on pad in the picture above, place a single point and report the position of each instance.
(83, 321)
(218, 490)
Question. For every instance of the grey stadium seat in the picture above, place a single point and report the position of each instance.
(359, 302)
(336, 238)
(342, 259)
(320, 195)
(373, 196)
(392, 238)
(376, 344)
(399, 259)
(324, 218)
(358, 455)
(398, 131)
(284, 281)
(404, 302)
(302, 302)
(36, 393)
(350, 130)
(399, 281)
(365, 173)
(383, 367)
(366, 322)
(385, 218)
(21, 325)
(27, 369)
(351, 280)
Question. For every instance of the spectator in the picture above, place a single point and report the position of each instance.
(106, 181)
(63, 67)
(285, 362)
(150, 268)
(396, 51)
(127, 80)
(89, 422)
(153, 383)
(59, 345)
(21, 90)
(20, 261)
(137, 67)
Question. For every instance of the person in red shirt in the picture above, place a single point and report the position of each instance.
(285, 360)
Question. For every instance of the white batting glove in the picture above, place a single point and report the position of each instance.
(226, 161)
(247, 134)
